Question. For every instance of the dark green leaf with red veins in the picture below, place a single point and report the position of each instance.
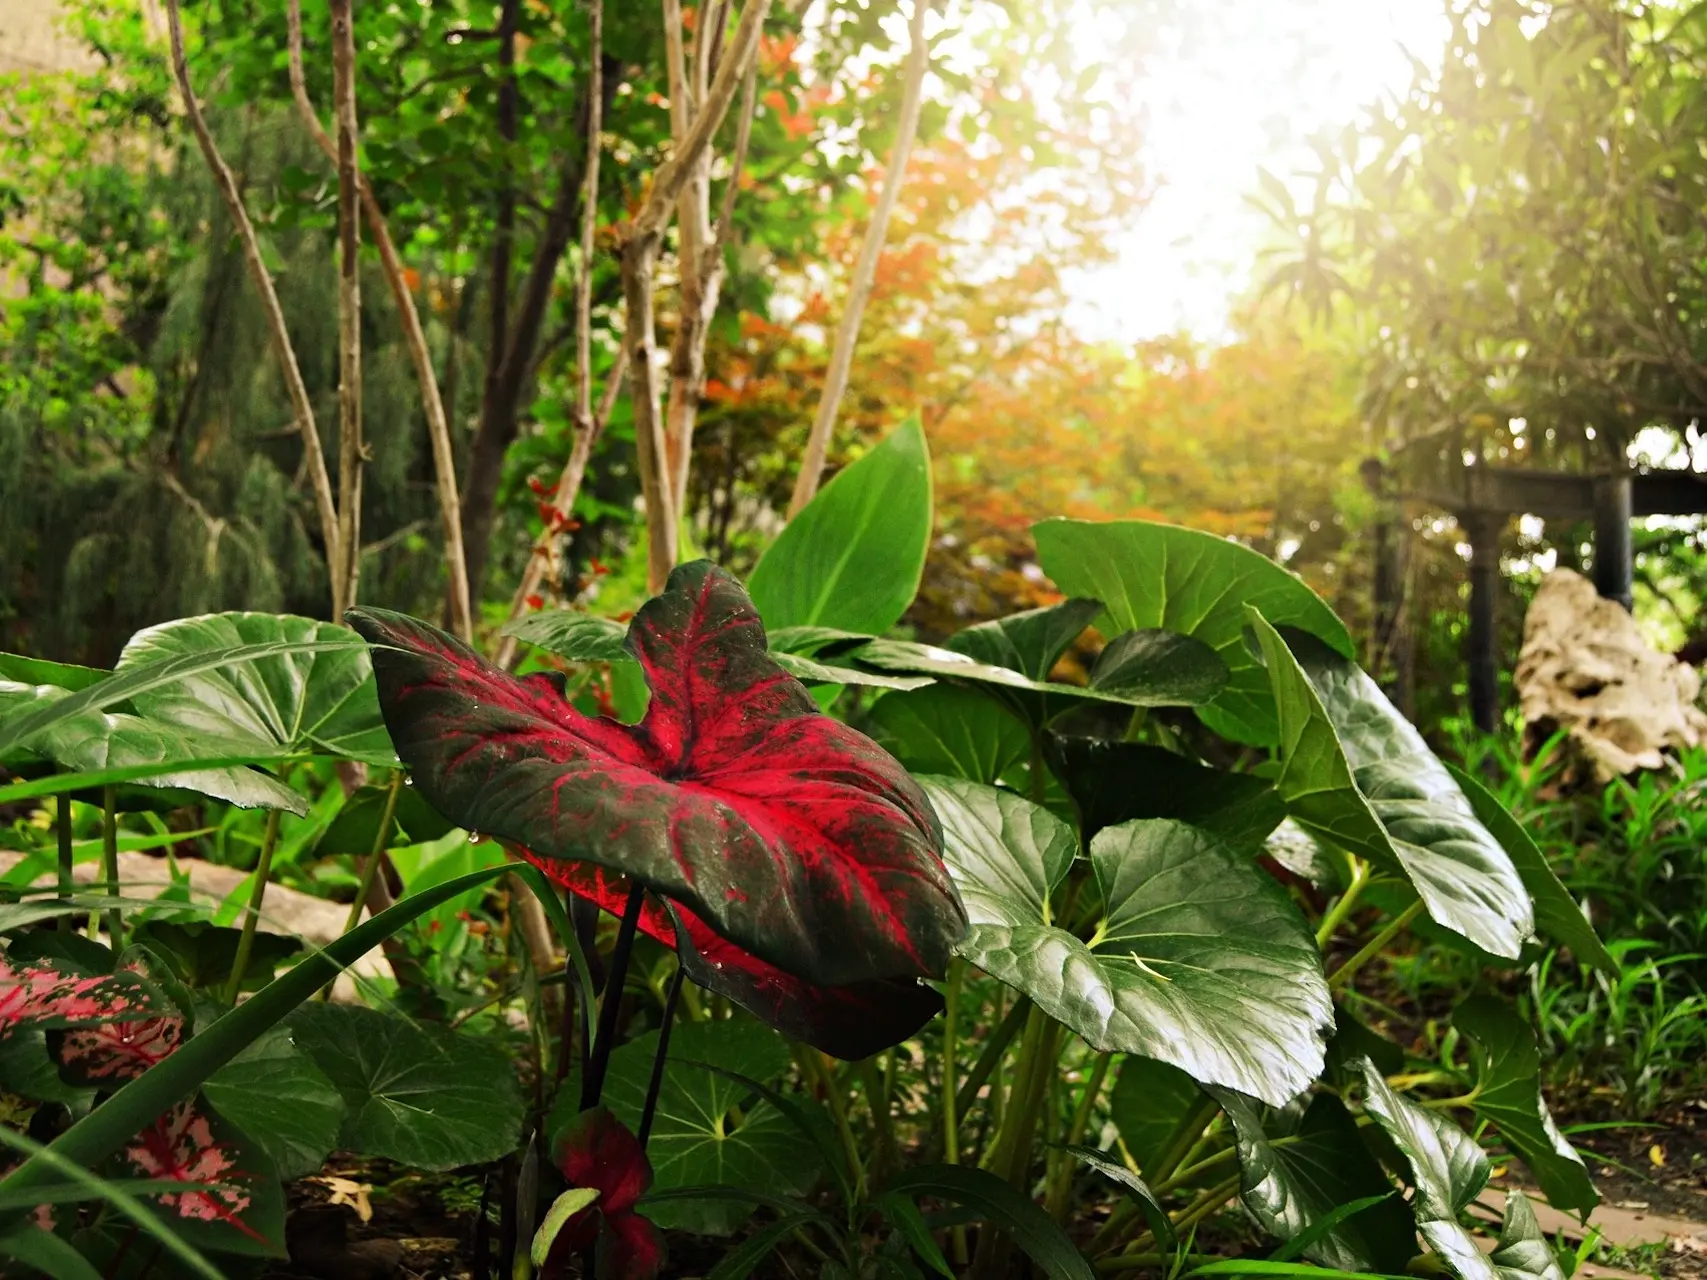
(47, 997)
(597, 1151)
(852, 1021)
(1508, 1092)
(1030, 643)
(793, 836)
(1113, 782)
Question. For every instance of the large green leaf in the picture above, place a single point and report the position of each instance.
(1508, 1092)
(432, 1101)
(1160, 575)
(319, 701)
(1356, 773)
(1153, 1104)
(1298, 1164)
(1448, 1170)
(949, 730)
(709, 1130)
(63, 675)
(1157, 668)
(569, 633)
(853, 557)
(94, 740)
(19, 730)
(1030, 642)
(1557, 915)
(1523, 1252)
(1199, 959)
(283, 1101)
(1176, 673)
(1113, 782)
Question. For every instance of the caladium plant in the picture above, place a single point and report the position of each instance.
(598, 1153)
(797, 862)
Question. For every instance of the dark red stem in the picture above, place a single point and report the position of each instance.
(593, 1082)
(657, 1082)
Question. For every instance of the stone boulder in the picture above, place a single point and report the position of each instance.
(1586, 669)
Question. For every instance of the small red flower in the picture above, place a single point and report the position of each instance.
(536, 601)
(599, 1152)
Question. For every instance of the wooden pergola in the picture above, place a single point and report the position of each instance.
(1488, 497)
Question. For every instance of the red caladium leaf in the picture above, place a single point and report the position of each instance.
(181, 1146)
(791, 835)
(41, 995)
(599, 1152)
(851, 1022)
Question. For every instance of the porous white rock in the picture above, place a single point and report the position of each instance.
(1585, 668)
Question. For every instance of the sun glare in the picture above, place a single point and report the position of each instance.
(1232, 86)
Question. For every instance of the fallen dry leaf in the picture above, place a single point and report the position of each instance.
(347, 1191)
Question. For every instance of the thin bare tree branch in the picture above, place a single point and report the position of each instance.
(589, 221)
(350, 450)
(544, 554)
(639, 261)
(301, 408)
(414, 338)
(865, 271)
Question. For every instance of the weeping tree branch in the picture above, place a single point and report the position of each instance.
(865, 271)
(639, 260)
(301, 408)
(414, 338)
(544, 552)
(350, 450)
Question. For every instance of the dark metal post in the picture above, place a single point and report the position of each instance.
(1614, 560)
(1483, 530)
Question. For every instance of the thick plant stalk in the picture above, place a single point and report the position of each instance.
(639, 260)
(301, 408)
(414, 338)
(252, 917)
(67, 856)
(563, 498)
(349, 302)
(865, 271)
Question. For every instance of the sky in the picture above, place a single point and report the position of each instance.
(1236, 85)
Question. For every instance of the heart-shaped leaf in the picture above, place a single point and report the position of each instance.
(853, 557)
(1113, 782)
(95, 739)
(1299, 1164)
(1155, 668)
(790, 834)
(1031, 642)
(1508, 1092)
(1557, 915)
(1160, 575)
(302, 700)
(285, 1103)
(580, 637)
(709, 1129)
(1448, 1170)
(1356, 773)
(850, 1021)
(240, 1209)
(945, 729)
(596, 1151)
(1184, 672)
(1199, 959)
(432, 1101)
